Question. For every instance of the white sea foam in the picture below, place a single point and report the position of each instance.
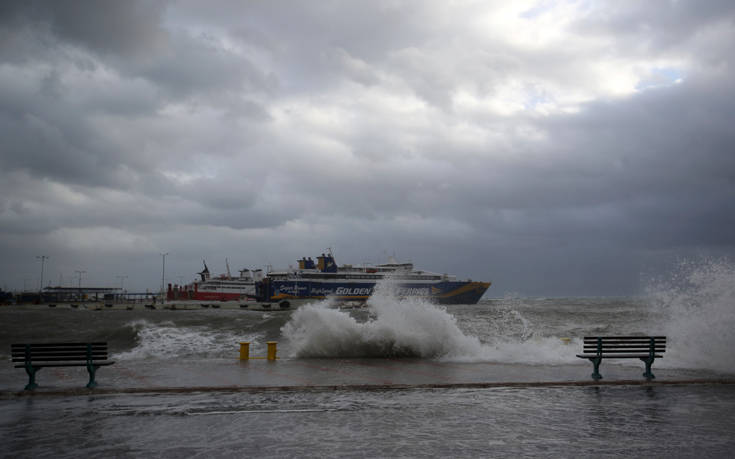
(398, 328)
(411, 327)
(696, 306)
(166, 341)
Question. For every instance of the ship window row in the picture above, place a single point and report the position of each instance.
(362, 276)
(208, 287)
(349, 276)
(229, 284)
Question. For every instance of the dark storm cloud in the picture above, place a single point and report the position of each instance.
(126, 28)
(57, 119)
(551, 148)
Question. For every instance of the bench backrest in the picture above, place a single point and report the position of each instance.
(624, 344)
(58, 352)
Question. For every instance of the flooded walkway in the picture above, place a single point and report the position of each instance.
(323, 374)
(694, 420)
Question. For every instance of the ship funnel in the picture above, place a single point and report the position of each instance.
(205, 272)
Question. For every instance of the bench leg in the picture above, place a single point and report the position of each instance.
(596, 372)
(91, 369)
(648, 361)
(31, 370)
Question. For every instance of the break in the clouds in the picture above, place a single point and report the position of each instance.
(552, 147)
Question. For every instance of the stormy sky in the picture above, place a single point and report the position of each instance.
(551, 147)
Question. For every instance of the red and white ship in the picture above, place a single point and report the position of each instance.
(221, 288)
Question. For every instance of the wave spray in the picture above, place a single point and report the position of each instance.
(413, 327)
(396, 327)
(696, 307)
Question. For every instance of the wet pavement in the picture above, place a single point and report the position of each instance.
(295, 374)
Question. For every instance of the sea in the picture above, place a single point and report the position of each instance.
(510, 338)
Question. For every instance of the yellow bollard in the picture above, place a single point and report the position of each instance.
(244, 351)
(272, 350)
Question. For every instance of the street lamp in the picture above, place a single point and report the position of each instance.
(122, 280)
(43, 258)
(163, 272)
(80, 282)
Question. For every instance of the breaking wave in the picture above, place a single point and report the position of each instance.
(167, 341)
(411, 327)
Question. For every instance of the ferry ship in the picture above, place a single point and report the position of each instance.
(224, 287)
(325, 279)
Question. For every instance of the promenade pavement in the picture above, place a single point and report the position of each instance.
(305, 374)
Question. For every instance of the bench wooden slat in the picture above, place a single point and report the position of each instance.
(98, 364)
(61, 359)
(625, 346)
(625, 337)
(620, 356)
(57, 352)
(623, 351)
(614, 345)
(94, 355)
(41, 345)
(624, 341)
(70, 355)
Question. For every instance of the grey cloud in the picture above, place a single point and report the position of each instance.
(656, 26)
(128, 28)
(196, 65)
(272, 133)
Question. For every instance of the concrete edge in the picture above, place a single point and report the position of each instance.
(8, 395)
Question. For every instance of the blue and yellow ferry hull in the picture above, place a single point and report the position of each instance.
(443, 292)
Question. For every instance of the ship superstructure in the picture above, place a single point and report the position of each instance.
(224, 287)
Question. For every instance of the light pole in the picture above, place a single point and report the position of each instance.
(80, 282)
(163, 273)
(122, 280)
(43, 258)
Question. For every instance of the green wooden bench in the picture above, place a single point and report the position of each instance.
(645, 348)
(33, 357)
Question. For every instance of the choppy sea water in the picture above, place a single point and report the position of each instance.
(695, 308)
